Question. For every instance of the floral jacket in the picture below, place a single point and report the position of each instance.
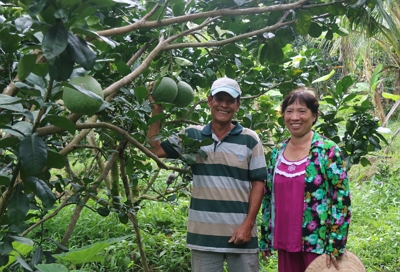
(327, 209)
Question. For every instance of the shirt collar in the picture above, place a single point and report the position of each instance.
(235, 131)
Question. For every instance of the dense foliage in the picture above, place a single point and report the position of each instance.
(53, 159)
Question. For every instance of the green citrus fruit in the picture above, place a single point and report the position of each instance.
(81, 103)
(185, 95)
(165, 90)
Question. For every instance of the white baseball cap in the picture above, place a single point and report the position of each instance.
(228, 85)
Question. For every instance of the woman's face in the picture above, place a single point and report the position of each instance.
(298, 119)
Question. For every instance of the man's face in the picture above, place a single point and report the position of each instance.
(223, 107)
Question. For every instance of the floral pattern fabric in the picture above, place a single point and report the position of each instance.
(327, 205)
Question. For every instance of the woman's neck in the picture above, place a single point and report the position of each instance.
(306, 139)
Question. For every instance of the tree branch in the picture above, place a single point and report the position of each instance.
(229, 40)
(209, 14)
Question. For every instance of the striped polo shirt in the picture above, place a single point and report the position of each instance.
(221, 186)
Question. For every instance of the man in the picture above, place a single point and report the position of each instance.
(227, 184)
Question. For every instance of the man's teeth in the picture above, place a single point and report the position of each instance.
(224, 112)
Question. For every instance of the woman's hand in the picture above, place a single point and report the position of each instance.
(266, 254)
(330, 258)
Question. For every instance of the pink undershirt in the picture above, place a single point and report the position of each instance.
(289, 204)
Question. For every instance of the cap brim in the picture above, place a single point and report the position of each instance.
(230, 91)
(348, 262)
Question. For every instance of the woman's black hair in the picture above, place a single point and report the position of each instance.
(305, 96)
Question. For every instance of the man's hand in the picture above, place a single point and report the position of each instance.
(157, 108)
(241, 235)
(334, 261)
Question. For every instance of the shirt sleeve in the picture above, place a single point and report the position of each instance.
(172, 147)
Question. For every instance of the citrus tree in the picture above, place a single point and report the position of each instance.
(64, 143)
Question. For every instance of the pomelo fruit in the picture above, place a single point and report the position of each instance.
(165, 90)
(185, 95)
(80, 103)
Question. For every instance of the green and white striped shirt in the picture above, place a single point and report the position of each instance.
(221, 186)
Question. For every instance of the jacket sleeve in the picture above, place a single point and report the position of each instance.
(339, 208)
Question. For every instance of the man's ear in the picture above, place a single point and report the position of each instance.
(238, 106)
(209, 98)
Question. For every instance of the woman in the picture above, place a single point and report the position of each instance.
(306, 203)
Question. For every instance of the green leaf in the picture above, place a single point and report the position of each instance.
(61, 122)
(22, 240)
(183, 61)
(349, 97)
(20, 129)
(55, 41)
(365, 162)
(123, 218)
(350, 127)
(88, 254)
(36, 7)
(92, 21)
(27, 89)
(303, 23)
(329, 35)
(178, 8)
(43, 192)
(123, 69)
(19, 249)
(80, 51)
(23, 264)
(240, 2)
(141, 94)
(374, 141)
(331, 101)
(347, 81)
(374, 81)
(33, 154)
(324, 78)
(229, 71)
(202, 153)
(315, 30)
(25, 66)
(10, 103)
(55, 160)
(264, 53)
(37, 256)
(53, 267)
(5, 247)
(18, 206)
(61, 67)
(103, 211)
(189, 158)
(394, 97)
(275, 54)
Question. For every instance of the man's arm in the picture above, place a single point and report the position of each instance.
(243, 233)
(154, 130)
